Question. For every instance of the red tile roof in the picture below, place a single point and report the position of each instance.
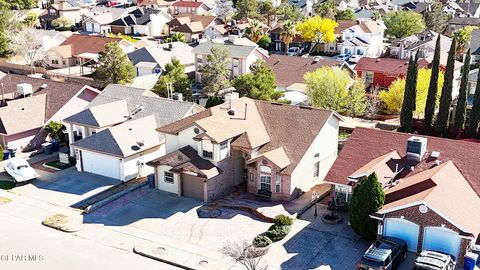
(290, 69)
(187, 4)
(367, 144)
(390, 66)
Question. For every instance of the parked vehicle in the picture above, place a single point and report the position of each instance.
(433, 260)
(20, 170)
(344, 56)
(355, 58)
(294, 51)
(387, 253)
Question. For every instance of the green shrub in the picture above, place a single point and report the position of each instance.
(261, 241)
(283, 220)
(278, 232)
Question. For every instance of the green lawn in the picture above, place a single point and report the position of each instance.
(6, 184)
(62, 166)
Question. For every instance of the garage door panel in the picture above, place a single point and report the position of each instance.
(89, 27)
(403, 229)
(441, 239)
(192, 186)
(101, 164)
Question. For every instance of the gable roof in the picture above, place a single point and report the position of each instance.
(123, 140)
(366, 144)
(262, 125)
(342, 25)
(193, 4)
(464, 21)
(154, 2)
(290, 69)
(101, 115)
(391, 66)
(57, 94)
(23, 114)
(475, 42)
(186, 158)
(105, 15)
(190, 23)
(139, 16)
(165, 110)
(163, 54)
(79, 44)
(442, 188)
(233, 50)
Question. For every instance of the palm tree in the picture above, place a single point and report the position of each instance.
(288, 33)
(254, 32)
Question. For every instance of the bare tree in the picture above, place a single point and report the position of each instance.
(246, 254)
(373, 102)
(224, 9)
(28, 44)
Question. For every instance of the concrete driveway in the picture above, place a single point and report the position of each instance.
(65, 187)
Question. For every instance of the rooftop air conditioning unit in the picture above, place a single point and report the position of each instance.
(416, 148)
(177, 96)
(24, 89)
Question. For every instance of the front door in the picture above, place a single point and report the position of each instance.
(265, 182)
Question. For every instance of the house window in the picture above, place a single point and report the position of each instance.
(168, 177)
(343, 194)
(223, 145)
(157, 70)
(55, 62)
(265, 169)
(368, 77)
(207, 149)
(52, 12)
(278, 183)
(316, 169)
(64, 63)
(265, 182)
(224, 150)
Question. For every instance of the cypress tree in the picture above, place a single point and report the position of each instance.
(409, 102)
(475, 113)
(432, 89)
(461, 108)
(446, 96)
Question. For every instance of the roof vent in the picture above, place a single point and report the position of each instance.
(24, 89)
(231, 112)
(416, 148)
(43, 86)
(177, 96)
(435, 154)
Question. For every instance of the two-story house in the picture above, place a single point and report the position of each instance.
(475, 46)
(279, 150)
(192, 26)
(189, 7)
(115, 135)
(98, 19)
(423, 42)
(365, 38)
(242, 53)
(162, 5)
(142, 21)
(67, 9)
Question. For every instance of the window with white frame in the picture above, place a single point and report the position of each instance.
(224, 150)
(316, 169)
(168, 177)
(265, 169)
(343, 193)
(278, 183)
(207, 149)
(265, 182)
(368, 77)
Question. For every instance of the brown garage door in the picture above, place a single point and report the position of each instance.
(192, 186)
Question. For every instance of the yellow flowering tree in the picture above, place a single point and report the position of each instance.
(317, 29)
(393, 97)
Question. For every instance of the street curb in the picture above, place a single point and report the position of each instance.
(156, 258)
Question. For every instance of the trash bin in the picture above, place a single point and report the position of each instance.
(6, 155)
(55, 145)
(470, 261)
(47, 148)
(13, 152)
(476, 250)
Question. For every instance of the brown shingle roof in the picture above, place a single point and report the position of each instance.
(58, 93)
(188, 4)
(189, 18)
(181, 124)
(290, 69)
(87, 44)
(367, 144)
(342, 25)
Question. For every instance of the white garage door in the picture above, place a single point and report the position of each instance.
(100, 164)
(89, 27)
(96, 28)
(403, 229)
(441, 239)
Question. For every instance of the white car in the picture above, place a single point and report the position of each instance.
(20, 170)
(294, 51)
(355, 58)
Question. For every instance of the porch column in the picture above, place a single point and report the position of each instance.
(84, 132)
(71, 139)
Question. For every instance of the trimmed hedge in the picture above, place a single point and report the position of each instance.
(283, 220)
(278, 232)
(261, 241)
